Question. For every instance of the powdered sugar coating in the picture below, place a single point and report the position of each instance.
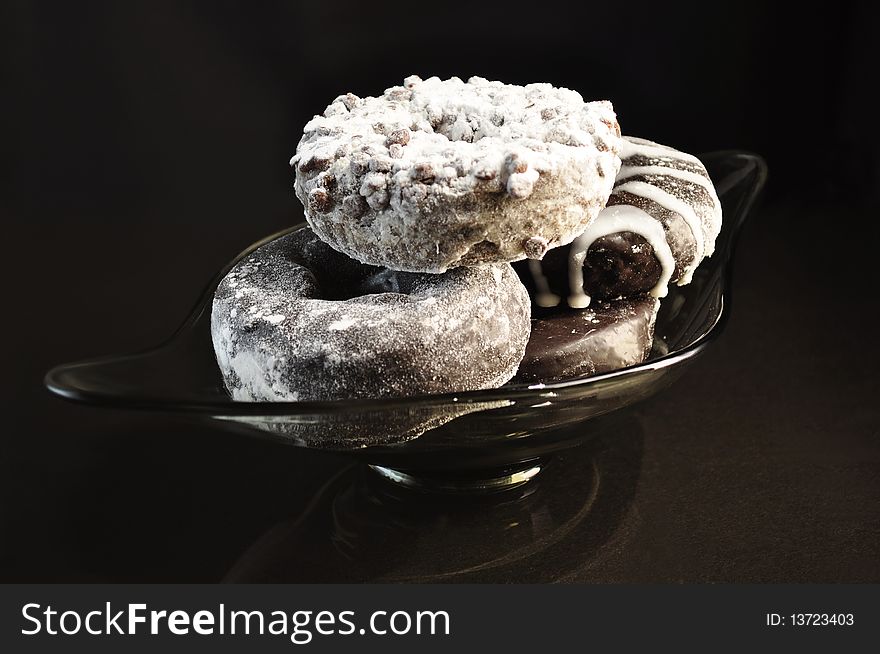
(437, 174)
(296, 320)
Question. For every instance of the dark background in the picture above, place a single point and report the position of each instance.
(146, 143)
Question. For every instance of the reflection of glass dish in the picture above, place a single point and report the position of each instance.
(357, 529)
(455, 441)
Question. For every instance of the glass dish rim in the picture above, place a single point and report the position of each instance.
(508, 393)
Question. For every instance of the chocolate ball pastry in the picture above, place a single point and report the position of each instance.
(661, 220)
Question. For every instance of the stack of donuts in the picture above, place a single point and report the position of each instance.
(418, 201)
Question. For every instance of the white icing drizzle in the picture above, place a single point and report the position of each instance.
(612, 220)
(577, 298)
(632, 147)
(627, 218)
(672, 203)
(688, 176)
(667, 171)
(544, 297)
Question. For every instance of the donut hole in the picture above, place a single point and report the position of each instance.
(335, 276)
(359, 280)
(338, 287)
(384, 281)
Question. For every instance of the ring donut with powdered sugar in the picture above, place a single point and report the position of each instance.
(661, 221)
(438, 174)
(295, 321)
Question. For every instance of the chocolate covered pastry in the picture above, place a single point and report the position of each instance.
(607, 336)
(661, 220)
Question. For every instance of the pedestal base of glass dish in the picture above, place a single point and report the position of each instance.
(358, 527)
(482, 481)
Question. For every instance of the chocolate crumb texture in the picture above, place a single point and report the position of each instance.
(444, 167)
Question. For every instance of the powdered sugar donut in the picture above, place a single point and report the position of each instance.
(438, 174)
(296, 320)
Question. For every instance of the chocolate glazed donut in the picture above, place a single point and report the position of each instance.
(661, 220)
(607, 336)
(296, 320)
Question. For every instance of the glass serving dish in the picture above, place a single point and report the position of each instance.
(453, 442)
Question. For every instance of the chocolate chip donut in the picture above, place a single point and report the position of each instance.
(296, 320)
(438, 174)
(661, 220)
